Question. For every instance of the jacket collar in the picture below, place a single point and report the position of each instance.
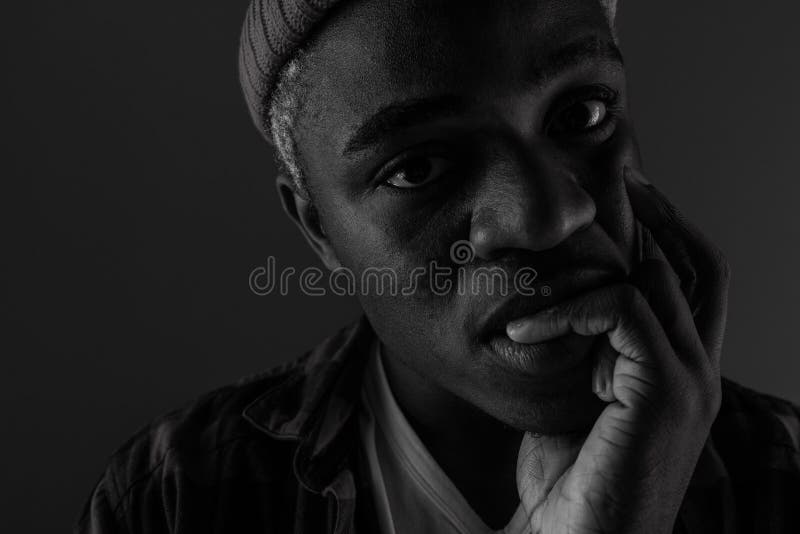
(315, 401)
(314, 404)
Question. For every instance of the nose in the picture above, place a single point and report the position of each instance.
(532, 209)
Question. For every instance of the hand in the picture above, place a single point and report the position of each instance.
(660, 374)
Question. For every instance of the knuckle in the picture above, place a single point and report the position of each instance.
(716, 262)
(629, 299)
(721, 267)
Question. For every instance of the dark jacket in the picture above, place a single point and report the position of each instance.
(280, 453)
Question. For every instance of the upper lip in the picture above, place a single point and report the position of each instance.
(565, 285)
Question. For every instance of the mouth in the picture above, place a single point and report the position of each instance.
(549, 360)
(562, 287)
(543, 361)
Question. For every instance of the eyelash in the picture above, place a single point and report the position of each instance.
(383, 181)
(602, 93)
(423, 151)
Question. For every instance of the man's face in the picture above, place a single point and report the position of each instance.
(499, 123)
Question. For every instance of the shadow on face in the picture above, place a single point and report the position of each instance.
(500, 124)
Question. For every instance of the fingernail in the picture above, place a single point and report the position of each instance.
(597, 382)
(513, 329)
(636, 175)
(603, 377)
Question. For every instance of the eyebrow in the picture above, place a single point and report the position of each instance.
(405, 114)
(586, 50)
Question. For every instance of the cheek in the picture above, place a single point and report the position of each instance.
(602, 177)
(365, 245)
(396, 235)
(368, 239)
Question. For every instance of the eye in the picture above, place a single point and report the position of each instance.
(417, 172)
(580, 117)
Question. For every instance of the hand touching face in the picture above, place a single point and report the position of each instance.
(660, 376)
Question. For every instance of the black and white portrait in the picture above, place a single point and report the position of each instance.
(402, 267)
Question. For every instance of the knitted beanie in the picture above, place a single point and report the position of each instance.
(273, 31)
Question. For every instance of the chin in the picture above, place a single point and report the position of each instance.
(560, 415)
(571, 409)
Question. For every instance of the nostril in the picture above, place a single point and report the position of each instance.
(535, 219)
(483, 241)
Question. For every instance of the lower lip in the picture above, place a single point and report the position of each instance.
(544, 361)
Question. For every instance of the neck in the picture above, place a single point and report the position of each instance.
(477, 452)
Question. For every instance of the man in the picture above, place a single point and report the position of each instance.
(588, 402)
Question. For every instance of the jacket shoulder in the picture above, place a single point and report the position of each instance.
(195, 448)
(224, 462)
(761, 427)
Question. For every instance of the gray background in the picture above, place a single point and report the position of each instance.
(136, 198)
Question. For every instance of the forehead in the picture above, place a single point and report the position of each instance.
(371, 54)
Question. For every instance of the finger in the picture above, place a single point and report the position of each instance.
(699, 264)
(660, 286)
(671, 232)
(618, 311)
(649, 248)
(603, 372)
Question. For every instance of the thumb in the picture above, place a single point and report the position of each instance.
(541, 462)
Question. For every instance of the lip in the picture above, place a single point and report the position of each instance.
(554, 365)
(562, 287)
(548, 362)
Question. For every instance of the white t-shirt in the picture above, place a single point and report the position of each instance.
(412, 494)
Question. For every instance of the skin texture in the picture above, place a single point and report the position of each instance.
(631, 472)
(512, 169)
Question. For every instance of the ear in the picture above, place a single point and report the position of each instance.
(303, 213)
